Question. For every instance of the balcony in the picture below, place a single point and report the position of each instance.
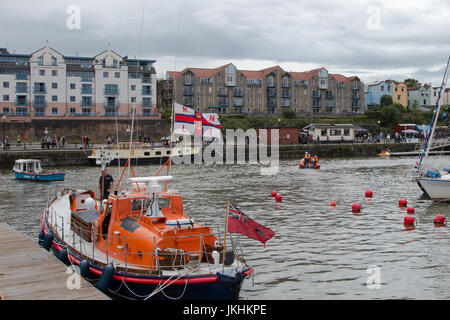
(39, 90)
(188, 82)
(286, 103)
(86, 79)
(112, 104)
(39, 114)
(188, 102)
(329, 95)
(317, 105)
(111, 92)
(188, 91)
(86, 91)
(271, 84)
(147, 92)
(316, 95)
(330, 105)
(223, 92)
(21, 76)
(21, 89)
(356, 87)
(21, 102)
(238, 102)
(146, 80)
(271, 93)
(223, 102)
(285, 84)
(271, 103)
(40, 103)
(238, 92)
(285, 93)
(147, 103)
(86, 103)
(356, 96)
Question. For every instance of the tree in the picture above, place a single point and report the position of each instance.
(390, 115)
(289, 114)
(167, 114)
(386, 100)
(410, 82)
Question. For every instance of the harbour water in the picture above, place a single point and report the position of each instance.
(318, 252)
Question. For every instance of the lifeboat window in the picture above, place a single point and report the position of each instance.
(163, 202)
(168, 152)
(147, 153)
(158, 153)
(140, 255)
(140, 204)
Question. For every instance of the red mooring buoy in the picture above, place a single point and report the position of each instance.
(410, 210)
(333, 203)
(273, 193)
(439, 219)
(369, 194)
(402, 203)
(278, 198)
(409, 220)
(356, 207)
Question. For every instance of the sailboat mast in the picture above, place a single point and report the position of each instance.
(434, 120)
(133, 111)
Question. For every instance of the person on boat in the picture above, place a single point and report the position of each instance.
(307, 159)
(105, 184)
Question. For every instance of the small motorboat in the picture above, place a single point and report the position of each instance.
(303, 164)
(30, 169)
(140, 244)
(384, 154)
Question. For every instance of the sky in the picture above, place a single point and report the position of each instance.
(374, 40)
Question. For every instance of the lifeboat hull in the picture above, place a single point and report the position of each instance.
(123, 285)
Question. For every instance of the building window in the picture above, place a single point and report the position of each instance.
(54, 73)
(72, 110)
(54, 98)
(6, 97)
(105, 74)
(5, 84)
(5, 110)
(72, 86)
(72, 98)
(117, 74)
(54, 85)
(323, 132)
(42, 72)
(133, 99)
(54, 110)
(133, 87)
(382, 88)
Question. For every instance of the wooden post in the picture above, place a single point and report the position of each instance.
(225, 238)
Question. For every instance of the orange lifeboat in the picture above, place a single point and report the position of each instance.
(140, 244)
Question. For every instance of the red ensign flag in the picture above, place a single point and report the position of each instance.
(239, 222)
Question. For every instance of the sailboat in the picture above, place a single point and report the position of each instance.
(434, 183)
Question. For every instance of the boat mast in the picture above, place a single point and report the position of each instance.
(134, 104)
(429, 140)
(172, 117)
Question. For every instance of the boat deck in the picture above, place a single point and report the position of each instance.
(29, 272)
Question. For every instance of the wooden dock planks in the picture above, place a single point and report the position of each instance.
(29, 272)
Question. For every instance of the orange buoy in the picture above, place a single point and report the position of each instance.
(369, 194)
(278, 198)
(273, 193)
(402, 203)
(409, 220)
(410, 210)
(356, 207)
(439, 219)
(333, 203)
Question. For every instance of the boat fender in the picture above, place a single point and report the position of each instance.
(41, 237)
(105, 278)
(229, 257)
(48, 240)
(84, 268)
(62, 256)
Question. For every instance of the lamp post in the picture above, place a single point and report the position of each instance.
(3, 139)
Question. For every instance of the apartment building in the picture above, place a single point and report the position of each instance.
(226, 89)
(375, 90)
(419, 97)
(46, 83)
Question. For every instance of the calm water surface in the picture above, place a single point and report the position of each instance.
(318, 252)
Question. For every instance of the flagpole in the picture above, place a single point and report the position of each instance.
(225, 238)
